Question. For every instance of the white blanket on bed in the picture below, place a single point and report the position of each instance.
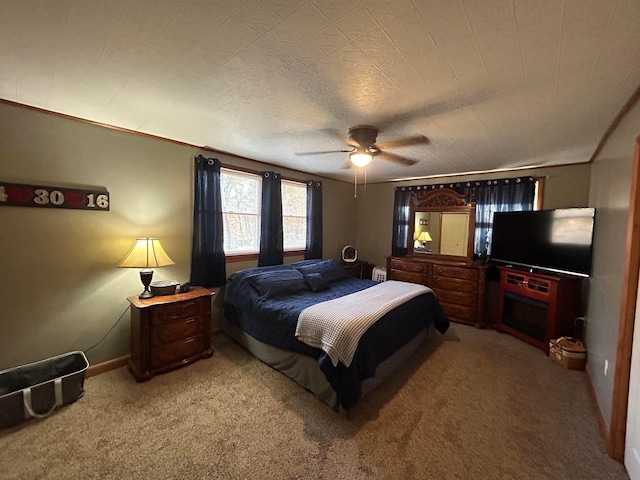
(336, 325)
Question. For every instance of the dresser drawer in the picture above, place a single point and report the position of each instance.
(459, 313)
(174, 353)
(455, 272)
(169, 332)
(455, 298)
(455, 284)
(179, 310)
(408, 266)
(403, 276)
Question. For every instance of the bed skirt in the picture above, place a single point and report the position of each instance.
(305, 370)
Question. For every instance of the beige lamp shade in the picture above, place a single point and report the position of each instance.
(146, 253)
(425, 237)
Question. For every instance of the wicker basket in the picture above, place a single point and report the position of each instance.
(568, 352)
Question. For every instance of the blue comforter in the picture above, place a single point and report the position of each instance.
(265, 302)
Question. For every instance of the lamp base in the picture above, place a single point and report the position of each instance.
(146, 275)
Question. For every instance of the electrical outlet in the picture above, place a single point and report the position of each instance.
(606, 367)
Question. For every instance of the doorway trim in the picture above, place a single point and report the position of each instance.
(618, 424)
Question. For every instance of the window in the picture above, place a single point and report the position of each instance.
(241, 210)
(294, 215)
(241, 198)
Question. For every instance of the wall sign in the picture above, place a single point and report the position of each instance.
(22, 195)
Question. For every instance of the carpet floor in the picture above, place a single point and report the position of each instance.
(472, 404)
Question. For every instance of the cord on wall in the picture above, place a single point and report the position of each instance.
(110, 330)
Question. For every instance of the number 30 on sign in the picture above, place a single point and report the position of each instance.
(21, 195)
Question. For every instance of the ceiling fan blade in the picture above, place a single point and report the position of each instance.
(404, 142)
(392, 157)
(322, 152)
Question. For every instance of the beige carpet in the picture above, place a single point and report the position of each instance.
(474, 404)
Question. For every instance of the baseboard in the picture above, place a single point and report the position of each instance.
(103, 367)
(604, 428)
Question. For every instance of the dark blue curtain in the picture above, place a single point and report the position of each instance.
(208, 267)
(505, 195)
(271, 250)
(314, 220)
(400, 236)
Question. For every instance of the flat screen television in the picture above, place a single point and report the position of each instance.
(558, 240)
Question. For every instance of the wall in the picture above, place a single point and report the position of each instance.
(566, 186)
(610, 195)
(60, 289)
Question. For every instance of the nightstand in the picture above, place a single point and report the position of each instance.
(358, 269)
(169, 331)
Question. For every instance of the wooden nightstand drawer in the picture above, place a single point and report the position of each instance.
(169, 332)
(455, 272)
(455, 284)
(178, 311)
(168, 356)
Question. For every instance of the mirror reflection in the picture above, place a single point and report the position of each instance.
(443, 233)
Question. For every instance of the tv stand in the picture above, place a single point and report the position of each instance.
(537, 307)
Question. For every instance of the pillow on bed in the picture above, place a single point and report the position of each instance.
(329, 269)
(278, 283)
(316, 282)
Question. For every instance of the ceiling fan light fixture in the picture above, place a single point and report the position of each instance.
(361, 157)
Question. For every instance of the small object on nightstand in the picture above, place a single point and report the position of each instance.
(170, 331)
(164, 287)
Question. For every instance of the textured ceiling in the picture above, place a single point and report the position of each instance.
(493, 84)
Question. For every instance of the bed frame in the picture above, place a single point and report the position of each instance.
(305, 370)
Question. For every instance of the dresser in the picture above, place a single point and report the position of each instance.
(169, 331)
(458, 285)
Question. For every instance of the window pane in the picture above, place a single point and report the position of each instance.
(294, 199)
(241, 197)
(295, 233)
(294, 215)
(241, 233)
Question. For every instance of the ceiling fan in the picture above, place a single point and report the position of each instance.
(362, 139)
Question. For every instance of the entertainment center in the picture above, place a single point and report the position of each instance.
(544, 255)
(537, 307)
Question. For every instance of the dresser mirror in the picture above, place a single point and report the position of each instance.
(441, 224)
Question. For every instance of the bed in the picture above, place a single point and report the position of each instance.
(265, 309)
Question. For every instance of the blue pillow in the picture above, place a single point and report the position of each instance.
(329, 269)
(278, 283)
(316, 282)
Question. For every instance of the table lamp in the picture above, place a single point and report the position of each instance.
(424, 238)
(146, 253)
